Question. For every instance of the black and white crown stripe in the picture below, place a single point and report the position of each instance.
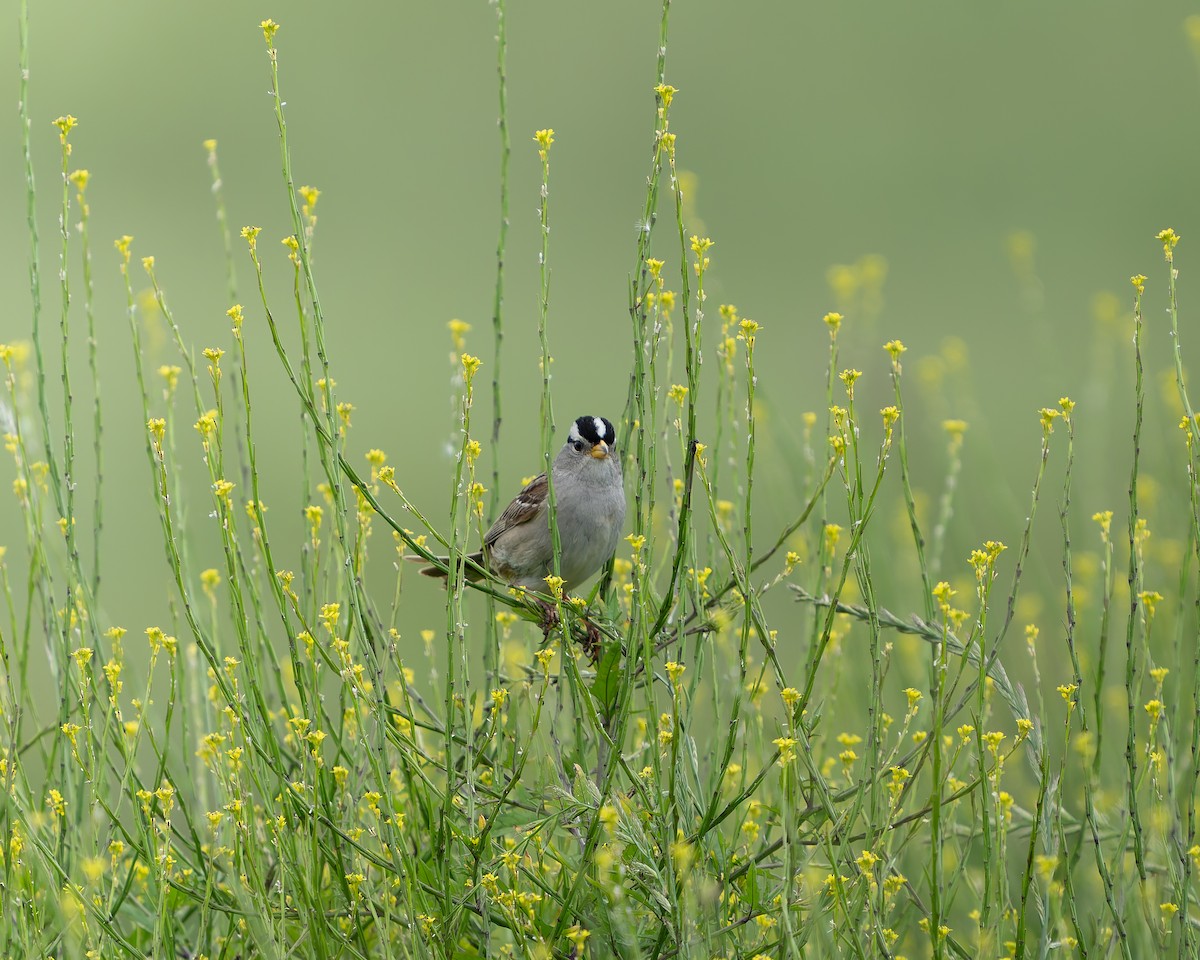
(593, 430)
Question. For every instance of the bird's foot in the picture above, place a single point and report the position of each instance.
(591, 641)
(548, 619)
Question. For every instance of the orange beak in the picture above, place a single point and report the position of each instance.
(600, 450)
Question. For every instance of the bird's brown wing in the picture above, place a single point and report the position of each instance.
(524, 508)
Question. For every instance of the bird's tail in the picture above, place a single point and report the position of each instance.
(472, 573)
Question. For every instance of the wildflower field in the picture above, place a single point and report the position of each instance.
(851, 697)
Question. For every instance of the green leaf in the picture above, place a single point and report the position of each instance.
(608, 676)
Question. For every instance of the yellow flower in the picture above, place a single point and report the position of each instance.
(293, 246)
(470, 365)
(1150, 600)
(666, 93)
(956, 428)
(166, 797)
(170, 374)
(900, 777)
(1139, 283)
(71, 731)
(787, 749)
(1168, 237)
(250, 235)
(65, 126)
(866, 861)
(942, 592)
(544, 140)
(458, 331)
(833, 321)
(749, 329)
(269, 28)
(309, 195)
(156, 637)
(314, 513)
(577, 935)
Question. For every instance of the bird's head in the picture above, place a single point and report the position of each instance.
(591, 437)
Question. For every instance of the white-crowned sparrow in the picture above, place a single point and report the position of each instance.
(589, 500)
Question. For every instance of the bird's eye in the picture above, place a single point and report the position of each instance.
(578, 445)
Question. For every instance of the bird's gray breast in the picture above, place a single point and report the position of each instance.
(590, 535)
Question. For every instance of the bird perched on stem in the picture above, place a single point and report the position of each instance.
(589, 500)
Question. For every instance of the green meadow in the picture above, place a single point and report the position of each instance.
(898, 656)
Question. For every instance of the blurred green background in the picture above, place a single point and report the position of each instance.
(926, 134)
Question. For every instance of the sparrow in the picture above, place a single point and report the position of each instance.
(589, 498)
